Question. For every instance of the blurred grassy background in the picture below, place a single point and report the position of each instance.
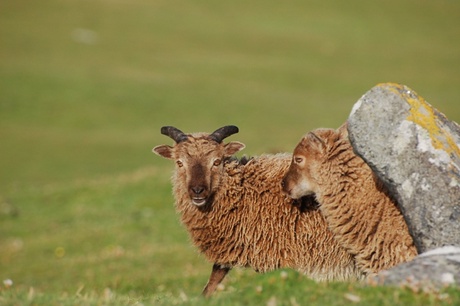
(86, 85)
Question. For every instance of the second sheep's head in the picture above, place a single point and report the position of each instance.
(199, 159)
(310, 161)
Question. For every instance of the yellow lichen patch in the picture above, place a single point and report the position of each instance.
(424, 115)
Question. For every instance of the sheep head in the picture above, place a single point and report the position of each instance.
(308, 160)
(199, 159)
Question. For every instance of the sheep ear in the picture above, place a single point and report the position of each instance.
(316, 141)
(164, 151)
(233, 147)
(343, 130)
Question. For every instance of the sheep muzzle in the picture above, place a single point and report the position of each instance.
(198, 194)
(199, 185)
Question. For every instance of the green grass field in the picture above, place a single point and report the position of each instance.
(86, 210)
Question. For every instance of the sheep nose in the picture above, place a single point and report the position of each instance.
(197, 189)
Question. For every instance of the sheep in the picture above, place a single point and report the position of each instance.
(355, 203)
(237, 215)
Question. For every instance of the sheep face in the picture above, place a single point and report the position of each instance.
(199, 163)
(309, 155)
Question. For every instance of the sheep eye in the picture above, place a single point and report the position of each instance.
(217, 162)
(298, 160)
(179, 163)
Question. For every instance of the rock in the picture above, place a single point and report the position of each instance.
(434, 269)
(414, 149)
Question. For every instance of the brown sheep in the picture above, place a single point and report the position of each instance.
(237, 215)
(356, 205)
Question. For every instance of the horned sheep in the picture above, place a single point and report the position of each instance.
(237, 215)
(354, 202)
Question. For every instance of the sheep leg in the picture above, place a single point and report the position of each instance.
(217, 275)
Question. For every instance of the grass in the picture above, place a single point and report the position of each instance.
(86, 211)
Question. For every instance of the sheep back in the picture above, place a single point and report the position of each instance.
(359, 210)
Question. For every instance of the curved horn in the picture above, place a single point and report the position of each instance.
(219, 134)
(174, 133)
